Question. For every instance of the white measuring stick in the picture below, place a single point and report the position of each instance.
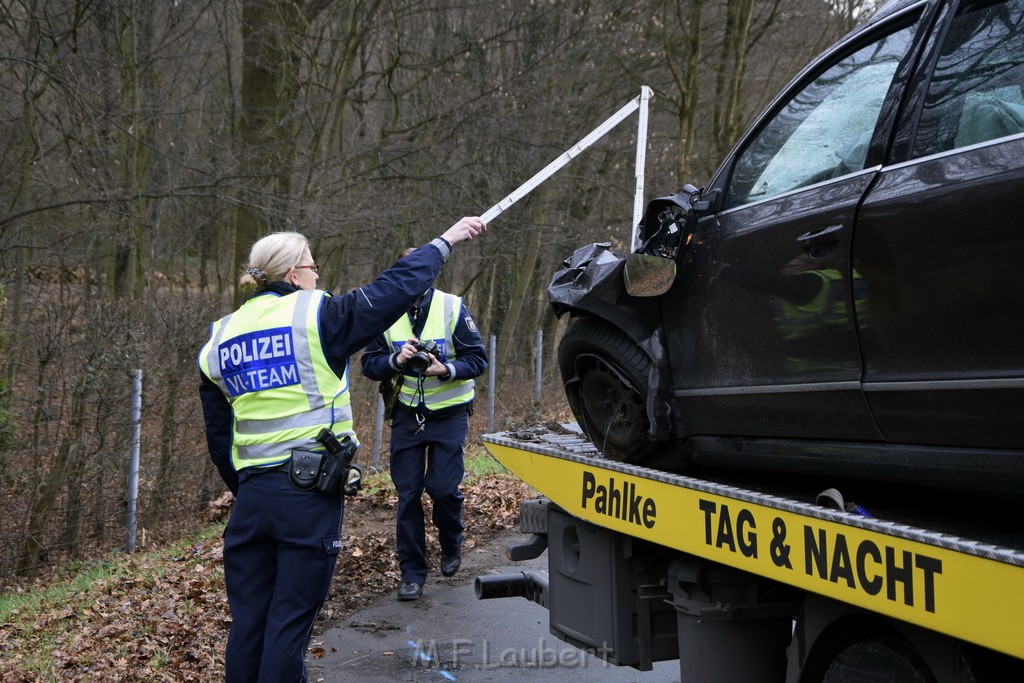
(641, 160)
(569, 154)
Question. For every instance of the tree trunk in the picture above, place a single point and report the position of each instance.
(685, 69)
(522, 278)
(41, 510)
(261, 66)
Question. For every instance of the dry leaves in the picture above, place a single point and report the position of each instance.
(167, 619)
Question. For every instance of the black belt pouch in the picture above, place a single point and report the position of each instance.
(337, 463)
(332, 474)
(305, 468)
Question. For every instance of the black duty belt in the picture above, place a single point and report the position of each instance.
(283, 467)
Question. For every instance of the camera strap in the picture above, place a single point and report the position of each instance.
(390, 389)
(421, 403)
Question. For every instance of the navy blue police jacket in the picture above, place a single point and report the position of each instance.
(347, 323)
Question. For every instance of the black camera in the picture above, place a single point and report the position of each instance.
(420, 362)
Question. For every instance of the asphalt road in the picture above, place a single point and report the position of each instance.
(450, 635)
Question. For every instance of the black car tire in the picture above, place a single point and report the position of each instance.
(883, 660)
(605, 377)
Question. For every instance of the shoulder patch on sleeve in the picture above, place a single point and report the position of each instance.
(471, 325)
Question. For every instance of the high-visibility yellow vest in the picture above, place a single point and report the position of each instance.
(268, 360)
(439, 327)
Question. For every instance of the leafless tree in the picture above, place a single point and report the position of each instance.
(145, 145)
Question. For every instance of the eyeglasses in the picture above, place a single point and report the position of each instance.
(314, 267)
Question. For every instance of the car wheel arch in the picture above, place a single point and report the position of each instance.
(653, 386)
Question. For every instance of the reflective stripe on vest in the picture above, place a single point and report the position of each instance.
(268, 360)
(439, 327)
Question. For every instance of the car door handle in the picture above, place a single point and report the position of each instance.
(829, 235)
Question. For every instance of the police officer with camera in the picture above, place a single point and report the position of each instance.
(276, 404)
(434, 352)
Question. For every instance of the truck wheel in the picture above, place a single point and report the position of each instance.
(605, 376)
(878, 661)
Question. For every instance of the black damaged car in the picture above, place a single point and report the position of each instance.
(845, 296)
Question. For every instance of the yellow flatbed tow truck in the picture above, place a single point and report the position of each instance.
(752, 577)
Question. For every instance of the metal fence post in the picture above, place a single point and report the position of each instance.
(490, 386)
(133, 460)
(538, 366)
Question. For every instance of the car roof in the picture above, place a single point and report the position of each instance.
(891, 7)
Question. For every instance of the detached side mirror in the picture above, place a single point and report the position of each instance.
(648, 275)
(664, 233)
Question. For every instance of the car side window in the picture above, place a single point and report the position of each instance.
(975, 90)
(824, 131)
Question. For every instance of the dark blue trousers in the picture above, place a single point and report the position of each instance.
(430, 460)
(280, 548)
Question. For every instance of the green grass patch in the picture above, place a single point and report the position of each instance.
(376, 482)
(15, 607)
(93, 600)
(480, 463)
(76, 588)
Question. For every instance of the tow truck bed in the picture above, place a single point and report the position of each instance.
(944, 562)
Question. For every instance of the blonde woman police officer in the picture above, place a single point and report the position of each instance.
(274, 373)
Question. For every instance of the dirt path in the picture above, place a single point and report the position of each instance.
(448, 635)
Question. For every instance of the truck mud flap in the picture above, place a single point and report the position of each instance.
(604, 597)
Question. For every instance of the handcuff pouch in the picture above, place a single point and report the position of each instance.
(304, 471)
